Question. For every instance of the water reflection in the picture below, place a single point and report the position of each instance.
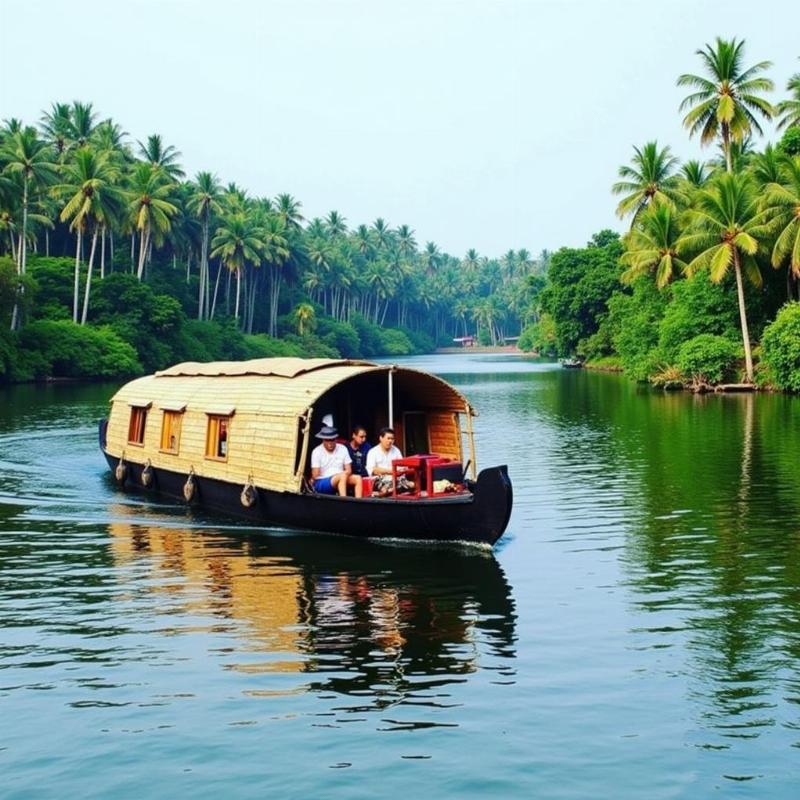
(384, 625)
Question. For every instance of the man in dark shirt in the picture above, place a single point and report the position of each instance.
(358, 448)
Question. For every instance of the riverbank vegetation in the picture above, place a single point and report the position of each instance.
(112, 262)
(703, 287)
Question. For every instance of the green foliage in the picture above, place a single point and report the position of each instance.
(340, 336)
(369, 335)
(540, 337)
(421, 342)
(698, 306)
(8, 354)
(581, 281)
(781, 348)
(634, 320)
(707, 358)
(54, 282)
(62, 349)
(790, 143)
(8, 289)
(395, 343)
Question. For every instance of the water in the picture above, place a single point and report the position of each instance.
(636, 633)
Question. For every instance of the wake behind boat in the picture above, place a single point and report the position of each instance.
(237, 437)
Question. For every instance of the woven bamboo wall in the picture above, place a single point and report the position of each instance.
(445, 434)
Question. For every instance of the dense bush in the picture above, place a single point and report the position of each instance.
(62, 349)
(341, 336)
(780, 348)
(697, 306)
(539, 337)
(634, 321)
(395, 343)
(707, 358)
(421, 342)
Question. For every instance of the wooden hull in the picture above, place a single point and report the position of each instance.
(479, 517)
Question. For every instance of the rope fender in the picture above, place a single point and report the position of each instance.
(249, 495)
(190, 487)
(147, 474)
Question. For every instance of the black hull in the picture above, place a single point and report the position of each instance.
(479, 517)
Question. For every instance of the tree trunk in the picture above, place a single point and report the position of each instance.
(23, 252)
(76, 287)
(726, 145)
(111, 247)
(88, 290)
(47, 243)
(103, 253)
(748, 356)
(143, 242)
(216, 287)
(238, 290)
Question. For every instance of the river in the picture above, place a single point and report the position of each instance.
(636, 633)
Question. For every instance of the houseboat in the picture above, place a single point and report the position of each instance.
(237, 437)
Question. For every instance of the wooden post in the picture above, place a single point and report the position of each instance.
(301, 466)
(471, 440)
(391, 397)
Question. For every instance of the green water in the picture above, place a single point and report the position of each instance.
(636, 633)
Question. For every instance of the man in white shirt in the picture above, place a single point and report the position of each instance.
(331, 465)
(379, 465)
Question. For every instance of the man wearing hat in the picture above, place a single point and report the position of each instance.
(331, 465)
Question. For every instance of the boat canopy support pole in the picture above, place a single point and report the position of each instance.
(471, 440)
(391, 396)
(301, 465)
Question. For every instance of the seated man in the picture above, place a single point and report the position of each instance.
(358, 450)
(331, 465)
(379, 465)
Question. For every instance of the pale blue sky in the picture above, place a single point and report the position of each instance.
(480, 124)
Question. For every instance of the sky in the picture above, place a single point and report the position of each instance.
(491, 125)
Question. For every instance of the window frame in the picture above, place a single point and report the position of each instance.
(175, 414)
(211, 417)
(143, 410)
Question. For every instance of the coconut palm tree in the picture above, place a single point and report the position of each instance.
(150, 207)
(695, 173)
(83, 122)
(767, 167)
(782, 204)
(335, 224)
(92, 199)
(430, 258)
(275, 251)
(725, 230)
(57, 128)
(650, 179)
(237, 243)
(304, 318)
(406, 243)
(205, 201)
(29, 158)
(652, 246)
(727, 101)
(789, 110)
(289, 210)
(161, 157)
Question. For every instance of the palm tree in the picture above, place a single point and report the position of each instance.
(782, 205)
(237, 243)
(695, 173)
(289, 210)
(275, 251)
(83, 122)
(649, 180)
(652, 245)
(335, 224)
(767, 167)
(789, 110)
(406, 243)
(149, 206)
(726, 103)
(430, 258)
(205, 201)
(57, 127)
(161, 157)
(725, 229)
(382, 233)
(30, 158)
(304, 317)
(92, 200)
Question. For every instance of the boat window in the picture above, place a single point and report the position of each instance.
(217, 437)
(137, 424)
(171, 431)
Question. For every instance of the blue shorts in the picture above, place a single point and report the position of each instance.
(323, 486)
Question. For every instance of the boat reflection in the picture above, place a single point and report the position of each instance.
(378, 622)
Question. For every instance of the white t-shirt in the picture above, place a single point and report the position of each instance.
(378, 457)
(327, 463)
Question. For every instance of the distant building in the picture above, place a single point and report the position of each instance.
(464, 341)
